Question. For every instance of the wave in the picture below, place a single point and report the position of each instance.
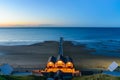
(19, 42)
(30, 42)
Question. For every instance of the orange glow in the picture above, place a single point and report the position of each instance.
(60, 64)
(6, 24)
(69, 65)
(50, 65)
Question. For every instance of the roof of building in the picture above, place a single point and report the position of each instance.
(52, 59)
(60, 57)
(68, 59)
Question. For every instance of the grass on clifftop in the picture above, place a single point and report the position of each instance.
(22, 78)
(91, 77)
(97, 77)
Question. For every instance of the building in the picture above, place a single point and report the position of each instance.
(60, 63)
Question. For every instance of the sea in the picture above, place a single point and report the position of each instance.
(104, 40)
(54, 33)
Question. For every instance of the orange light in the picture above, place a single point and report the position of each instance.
(59, 62)
(50, 63)
(69, 63)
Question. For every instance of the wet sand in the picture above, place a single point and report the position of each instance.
(36, 55)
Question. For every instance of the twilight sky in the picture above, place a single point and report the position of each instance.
(78, 13)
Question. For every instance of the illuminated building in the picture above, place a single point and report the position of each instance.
(60, 63)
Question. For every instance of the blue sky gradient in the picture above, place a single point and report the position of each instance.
(104, 13)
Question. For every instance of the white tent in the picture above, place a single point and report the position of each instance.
(6, 69)
(112, 66)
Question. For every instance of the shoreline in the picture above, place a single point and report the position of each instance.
(36, 55)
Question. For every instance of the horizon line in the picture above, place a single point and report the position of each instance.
(60, 27)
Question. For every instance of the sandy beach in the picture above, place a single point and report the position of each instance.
(36, 55)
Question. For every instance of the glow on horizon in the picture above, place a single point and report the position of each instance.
(9, 18)
(60, 12)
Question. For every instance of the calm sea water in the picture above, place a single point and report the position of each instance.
(41, 34)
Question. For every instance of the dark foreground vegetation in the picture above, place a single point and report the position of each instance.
(22, 78)
(97, 77)
(91, 77)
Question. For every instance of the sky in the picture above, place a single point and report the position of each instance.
(70, 13)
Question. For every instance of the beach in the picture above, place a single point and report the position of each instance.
(37, 54)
